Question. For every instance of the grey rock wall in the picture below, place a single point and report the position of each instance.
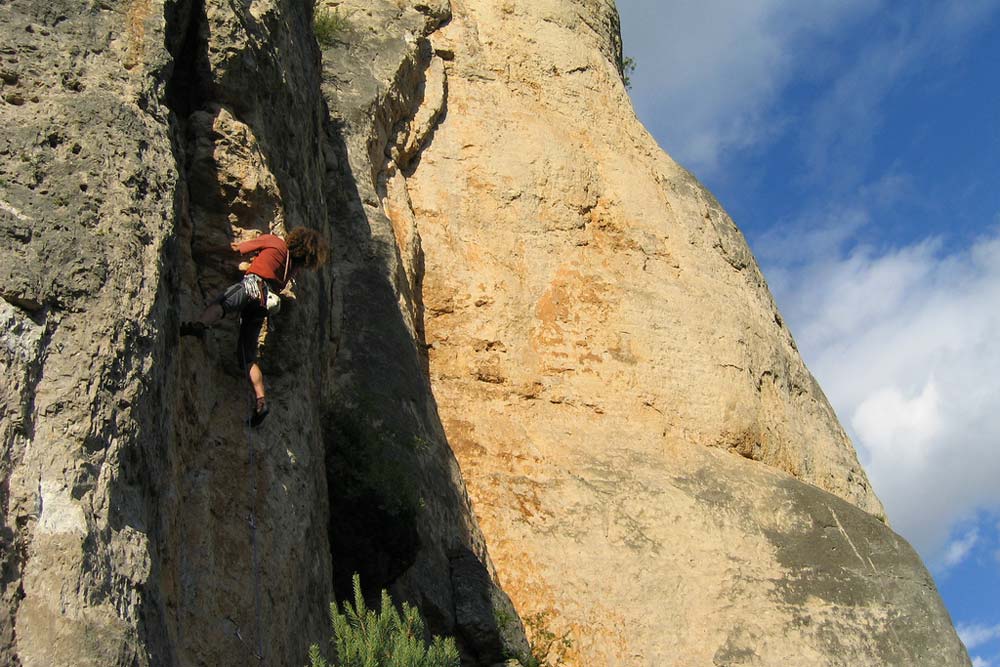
(142, 523)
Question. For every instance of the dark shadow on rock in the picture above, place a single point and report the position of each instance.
(487, 625)
(375, 434)
(373, 503)
(398, 506)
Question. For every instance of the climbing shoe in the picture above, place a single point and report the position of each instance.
(193, 329)
(259, 412)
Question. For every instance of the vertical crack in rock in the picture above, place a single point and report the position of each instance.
(241, 574)
(186, 88)
(186, 91)
(423, 105)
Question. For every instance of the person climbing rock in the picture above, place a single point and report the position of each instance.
(277, 261)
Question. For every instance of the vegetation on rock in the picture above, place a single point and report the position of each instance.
(329, 25)
(363, 637)
(627, 68)
(547, 648)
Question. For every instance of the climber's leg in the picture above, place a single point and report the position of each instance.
(232, 300)
(253, 320)
(256, 380)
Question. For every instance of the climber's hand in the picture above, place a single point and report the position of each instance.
(244, 266)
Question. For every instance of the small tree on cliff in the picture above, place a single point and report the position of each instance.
(363, 637)
(627, 68)
(329, 25)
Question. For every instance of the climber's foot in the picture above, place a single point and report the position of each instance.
(259, 412)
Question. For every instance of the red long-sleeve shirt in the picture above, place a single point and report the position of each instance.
(270, 261)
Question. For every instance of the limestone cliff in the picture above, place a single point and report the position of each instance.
(658, 478)
(143, 523)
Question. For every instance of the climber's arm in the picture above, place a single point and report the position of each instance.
(254, 244)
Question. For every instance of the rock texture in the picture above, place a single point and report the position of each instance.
(599, 334)
(142, 523)
(658, 477)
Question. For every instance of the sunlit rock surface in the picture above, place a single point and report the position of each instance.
(531, 312)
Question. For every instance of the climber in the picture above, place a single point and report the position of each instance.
(256, 296)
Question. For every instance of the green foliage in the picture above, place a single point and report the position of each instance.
(547, 648)
(363, 637)
(627, 68)
(373, 478)
(316, 658)
(421, 445)
(330, 25)
(502, 618)
(373, 461)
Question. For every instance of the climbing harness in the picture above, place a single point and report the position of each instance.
(260, 291)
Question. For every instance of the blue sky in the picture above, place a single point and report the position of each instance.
(857, 145)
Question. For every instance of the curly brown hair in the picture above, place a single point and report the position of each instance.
(307, 248)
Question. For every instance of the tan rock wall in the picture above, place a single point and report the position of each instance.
(645, 450)
(595, 321)
(604, 259)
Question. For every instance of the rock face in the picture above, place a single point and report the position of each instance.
(142, 522)
(658, 477)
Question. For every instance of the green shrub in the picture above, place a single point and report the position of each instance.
(627, 69)
(373, 479)
(547, 648)
(363, 637)
(329, 25)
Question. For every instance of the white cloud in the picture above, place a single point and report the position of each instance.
(813, 239)
(980, 662)
(958, 550)
(906, 344)
(974, 635)
(903, 428)
(710, 71)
